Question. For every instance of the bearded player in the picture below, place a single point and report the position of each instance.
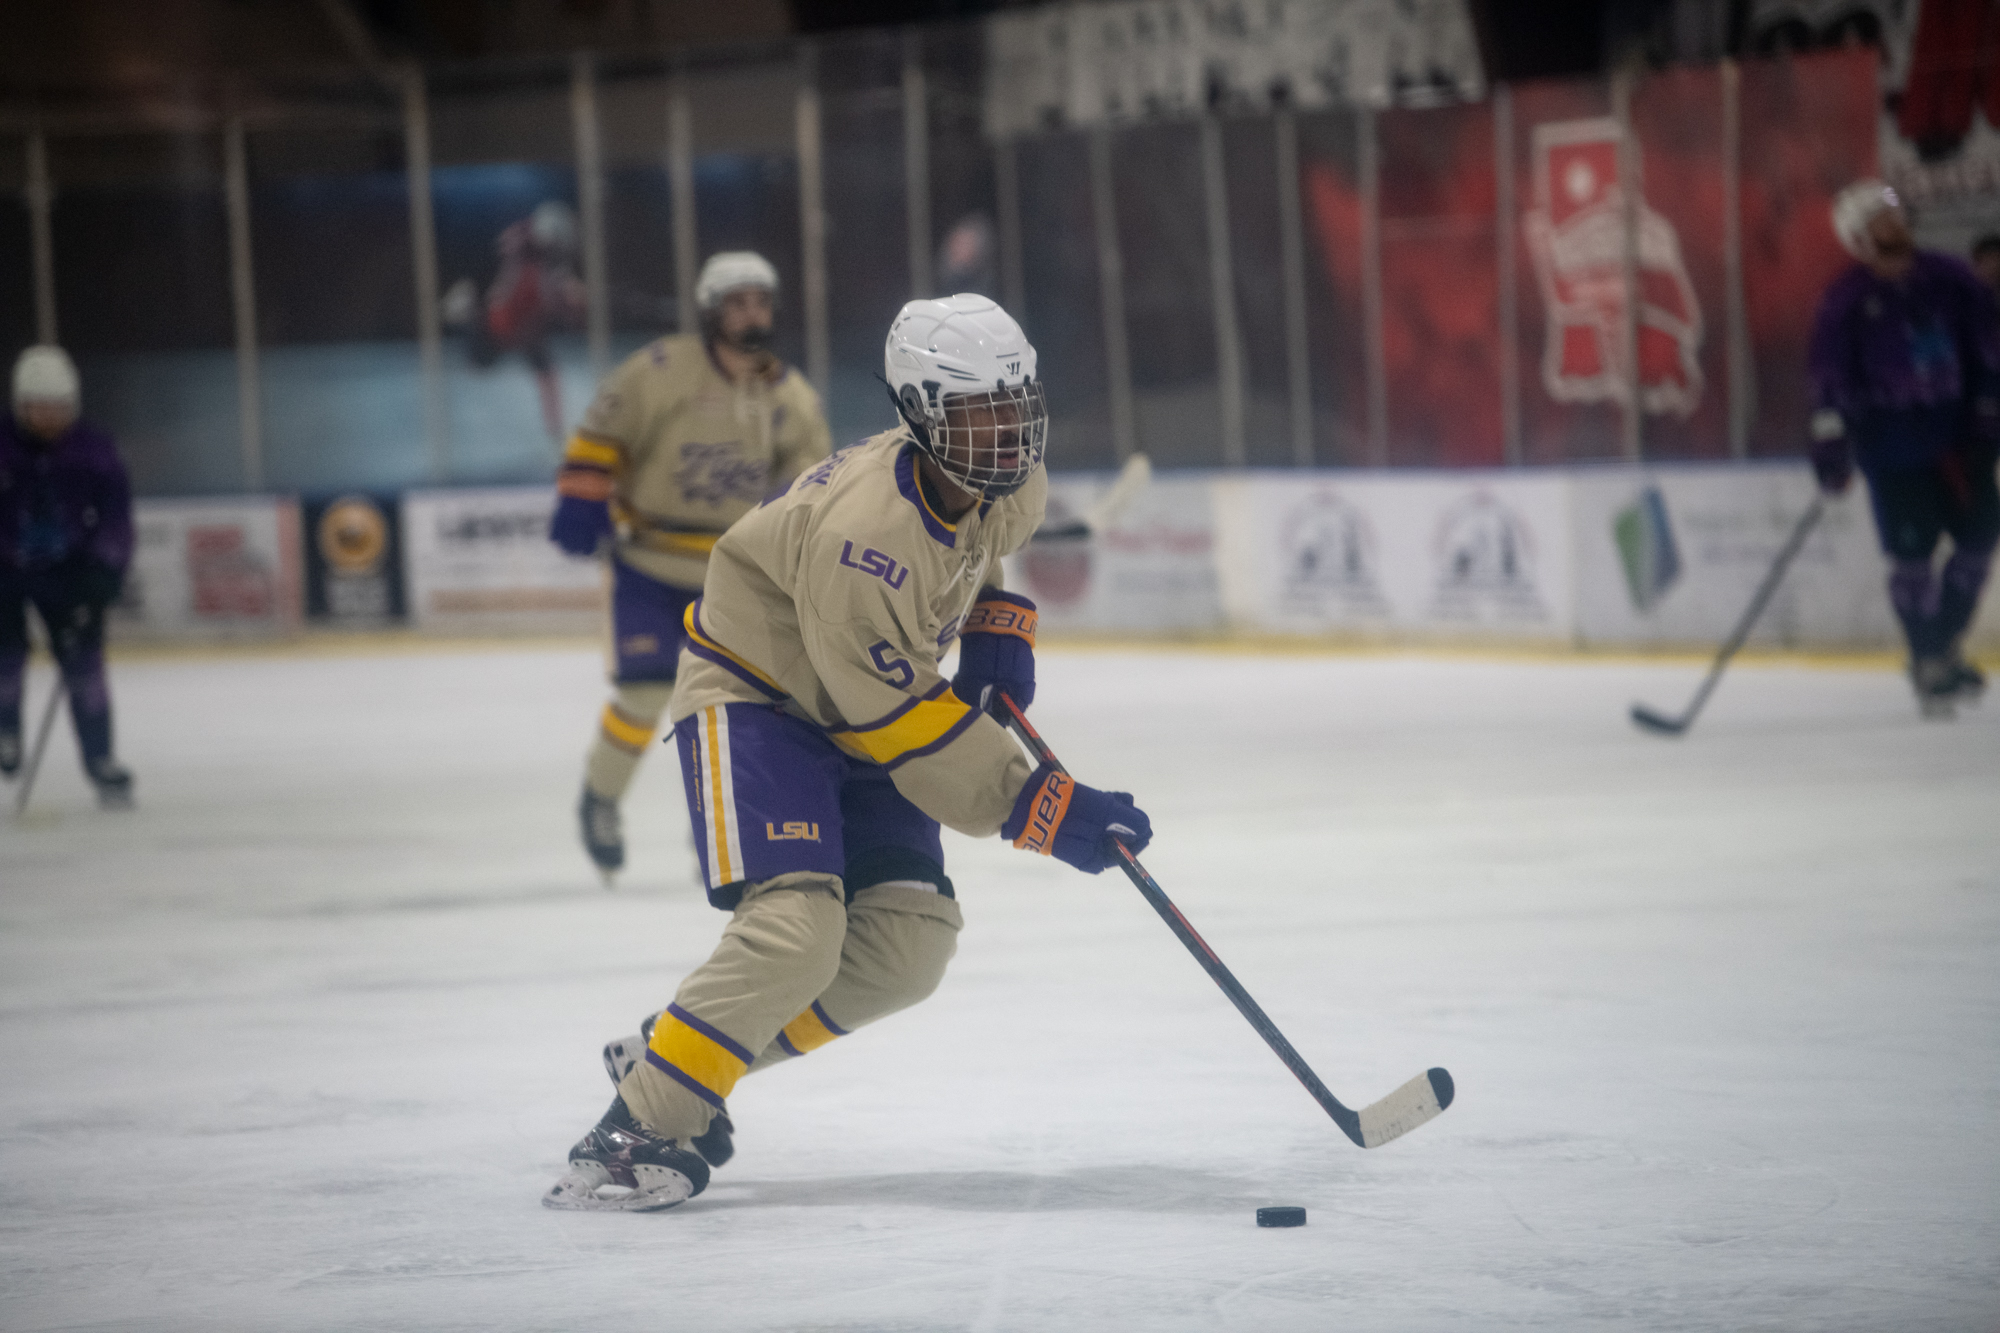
(1906, 371)
(682, 440)
(822, 746)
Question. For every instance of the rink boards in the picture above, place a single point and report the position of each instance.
(1577, 556)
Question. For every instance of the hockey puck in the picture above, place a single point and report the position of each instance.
(1281, 1217)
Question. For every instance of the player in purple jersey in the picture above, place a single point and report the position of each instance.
(1905, 367)
(65, 540)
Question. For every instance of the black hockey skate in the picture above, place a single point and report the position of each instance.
(10, 753)
(716, 1144)
(623, 1167)
(1968, 682)
(603, 833)
(1935, 679)
(113, 782)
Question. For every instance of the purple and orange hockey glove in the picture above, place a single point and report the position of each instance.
(996, 651)
(1058, 816)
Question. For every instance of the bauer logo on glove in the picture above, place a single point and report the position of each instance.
(1058, 816)
(996, 650)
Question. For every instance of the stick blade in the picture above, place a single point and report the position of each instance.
(1417, 1102)
(1657, 723)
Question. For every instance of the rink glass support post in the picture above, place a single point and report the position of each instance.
(41, 234)
(1007, 202)
(1629, 186)
(243, 295)
(1292, 255)
(423, 257)
(1506, 252)
(1742, 387)
(917, 164)
(1368, 142)
(1222, 291)
(680, 193)
(590, 208)
(1111, 294)
(812, 219)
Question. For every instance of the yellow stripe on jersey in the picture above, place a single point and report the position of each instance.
(697, 1055)
(724, 869)
(808, 1033)
(625, 733)
(694, 632)
(922, 725)
(676, 543)
(594, 453)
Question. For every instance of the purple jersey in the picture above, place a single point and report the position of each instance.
(1902, 362)
(62, 499)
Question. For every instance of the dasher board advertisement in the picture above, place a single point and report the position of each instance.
(1460, 554)
(213, 568)
(1151, 570)
(1673, 555)
(481, 561)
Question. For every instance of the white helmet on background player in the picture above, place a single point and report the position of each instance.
(948, 359)
(1855, 207)
(552, 227)
(45, 374)
(730, 270)
(733, 271)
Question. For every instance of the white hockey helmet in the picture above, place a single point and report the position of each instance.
(552, 226)
(962, 375)
(45, 374)
(728, 270)
(1857, 206)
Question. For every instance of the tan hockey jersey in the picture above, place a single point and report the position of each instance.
(682, 451)
(835, 601)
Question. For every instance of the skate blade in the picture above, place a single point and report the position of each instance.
(588, 1188)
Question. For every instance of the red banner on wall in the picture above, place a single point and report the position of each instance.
(1806, 131)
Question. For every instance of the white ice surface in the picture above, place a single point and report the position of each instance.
(300, 1042)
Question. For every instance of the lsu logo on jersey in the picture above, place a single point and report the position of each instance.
(876, 563)
(795, 830)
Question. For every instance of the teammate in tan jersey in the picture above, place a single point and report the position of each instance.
(683, 438)
(822, 746)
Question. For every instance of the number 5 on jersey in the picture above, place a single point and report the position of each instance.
(900, 673)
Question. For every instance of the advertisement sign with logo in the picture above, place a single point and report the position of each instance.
(1673, 556)
(1444, 553)
(353, 560)
(1152, 570)
(212, 567)
(481, 561)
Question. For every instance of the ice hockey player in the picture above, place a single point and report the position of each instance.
(65, 540)
(536, 292)
(1905, 365)
(682, 440)
(822, 747)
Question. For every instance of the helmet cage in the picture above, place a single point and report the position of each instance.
(970, 454)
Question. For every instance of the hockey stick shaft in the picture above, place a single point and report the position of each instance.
(34, 764)
(1786, 554)
(1149, 888)
(1125, 487)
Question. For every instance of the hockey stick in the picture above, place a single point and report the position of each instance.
(34, 763)
(1662, 725)
(1409, 1106)
(1131, 479)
